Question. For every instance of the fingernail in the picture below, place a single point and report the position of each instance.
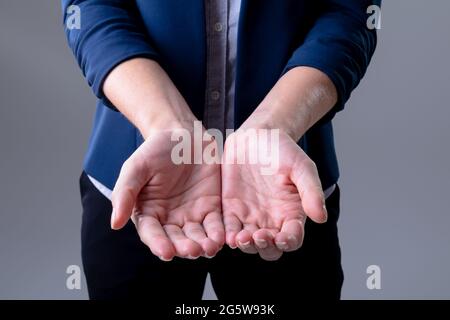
(261, 243)
(282, 245)
(232, 246)
(192, 257)
(244, 245)
(113, 218)
(292, 238)
(326, 212)
(164, 259)
(209, 257)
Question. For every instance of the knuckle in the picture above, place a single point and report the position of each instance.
(308, 164)
(127, 164)
(127, 193)
(311, 165)
(132, 165)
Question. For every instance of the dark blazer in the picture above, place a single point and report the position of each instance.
(273, 37)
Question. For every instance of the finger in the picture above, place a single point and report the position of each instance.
(306, 179)
(264, 241)
(185, 247)
(290, 237)
(132, 178)
(213, 225)
(245, 241)
(232, 227)
(195, 232)
(153, 235)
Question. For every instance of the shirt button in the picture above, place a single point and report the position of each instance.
(218, 27)
(215, 95)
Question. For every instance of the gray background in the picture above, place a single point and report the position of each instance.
(392, 144)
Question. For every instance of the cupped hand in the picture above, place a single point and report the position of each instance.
(265, 210)
(176, 208)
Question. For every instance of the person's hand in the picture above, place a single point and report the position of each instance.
(176, 208)
(265, 212)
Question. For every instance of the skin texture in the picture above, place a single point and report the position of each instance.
(177, 209)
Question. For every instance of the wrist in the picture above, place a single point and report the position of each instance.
(270, 117)
(166, 118)
(297, 101)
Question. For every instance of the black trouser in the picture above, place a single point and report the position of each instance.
(118, 265)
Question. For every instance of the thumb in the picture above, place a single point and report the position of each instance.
(306, 178)
(132, 178)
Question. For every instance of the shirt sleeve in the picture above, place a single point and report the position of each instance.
(340, 44)
(109, 33)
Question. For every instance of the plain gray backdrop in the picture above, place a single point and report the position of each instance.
(392, 140)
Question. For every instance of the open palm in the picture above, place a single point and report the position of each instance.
(176, 207)
(265, 212)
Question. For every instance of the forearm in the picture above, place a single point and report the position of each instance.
(297, 101)
(142, 91)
